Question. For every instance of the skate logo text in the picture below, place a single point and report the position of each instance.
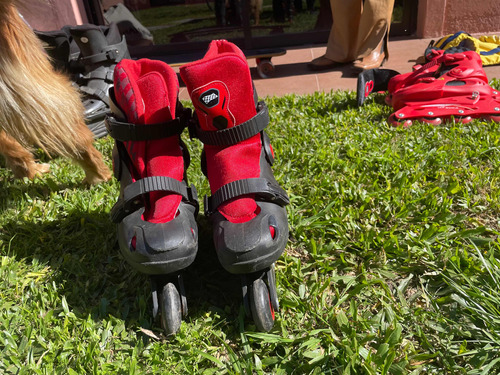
(210, 98)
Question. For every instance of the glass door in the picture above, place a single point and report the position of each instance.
(179, 27)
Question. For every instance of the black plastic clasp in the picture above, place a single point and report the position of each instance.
(192, 196)
(124, 208)
(192, 125)
(207, 206)
(112, 54)
(266, 144)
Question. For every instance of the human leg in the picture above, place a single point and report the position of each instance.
(342, 39)
(373, 35)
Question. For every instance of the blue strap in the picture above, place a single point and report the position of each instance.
(449, 39)
(494, 51)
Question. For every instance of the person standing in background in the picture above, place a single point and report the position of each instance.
(359, 35)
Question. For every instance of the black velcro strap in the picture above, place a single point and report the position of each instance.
(263, 189)
(131, 195)
(125, 131)
(236, 134)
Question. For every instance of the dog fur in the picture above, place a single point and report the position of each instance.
(39, 106)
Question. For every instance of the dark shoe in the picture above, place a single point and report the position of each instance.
(372, 61)
(322, 63)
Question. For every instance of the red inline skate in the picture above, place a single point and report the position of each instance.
(247, 206)
(450, 87)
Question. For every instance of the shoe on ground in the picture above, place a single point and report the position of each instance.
(323, 63)
(374, 60)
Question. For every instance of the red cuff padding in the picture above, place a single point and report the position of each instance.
(221, 89)
(147, 91)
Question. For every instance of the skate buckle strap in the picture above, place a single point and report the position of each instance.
(131, 195)
(105, 75)
(98, 115)
(112, 53)
(263, 189)
(109, 55)
(125, 131)
(236, 134)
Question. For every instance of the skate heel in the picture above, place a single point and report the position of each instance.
(156, 209)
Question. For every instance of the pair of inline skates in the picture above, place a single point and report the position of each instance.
(156, 211)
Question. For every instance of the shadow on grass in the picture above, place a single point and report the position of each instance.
(12, 190)
(82, 252)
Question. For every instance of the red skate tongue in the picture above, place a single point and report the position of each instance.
(221, 89)
(153, 92)
(153, 87)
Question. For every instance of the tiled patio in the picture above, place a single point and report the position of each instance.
(292, 75)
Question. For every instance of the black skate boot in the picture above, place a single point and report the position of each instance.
(101, 48)
(62, 50)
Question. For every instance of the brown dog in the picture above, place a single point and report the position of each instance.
(38, 106)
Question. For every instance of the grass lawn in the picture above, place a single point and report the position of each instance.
(392, 266)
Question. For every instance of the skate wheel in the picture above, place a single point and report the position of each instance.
(260, 306)
(395, 121)
(273, 294)
(265, 68)
(432, 121)
(182, 294)
(493, 118)
(171, 309)
(462, 120)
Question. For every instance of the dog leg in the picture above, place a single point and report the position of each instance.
(89, 158)
(95, 170)
(20, 160)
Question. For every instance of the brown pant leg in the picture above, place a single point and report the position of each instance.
(374, 26)
(346, 16)
(358, 28)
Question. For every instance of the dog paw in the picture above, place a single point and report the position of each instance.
(41, 168)
(93, 179)
(29, 169)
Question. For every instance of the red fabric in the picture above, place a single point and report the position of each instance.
(147, 90)
(225, 69)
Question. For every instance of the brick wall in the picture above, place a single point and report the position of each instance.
(442, 17)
